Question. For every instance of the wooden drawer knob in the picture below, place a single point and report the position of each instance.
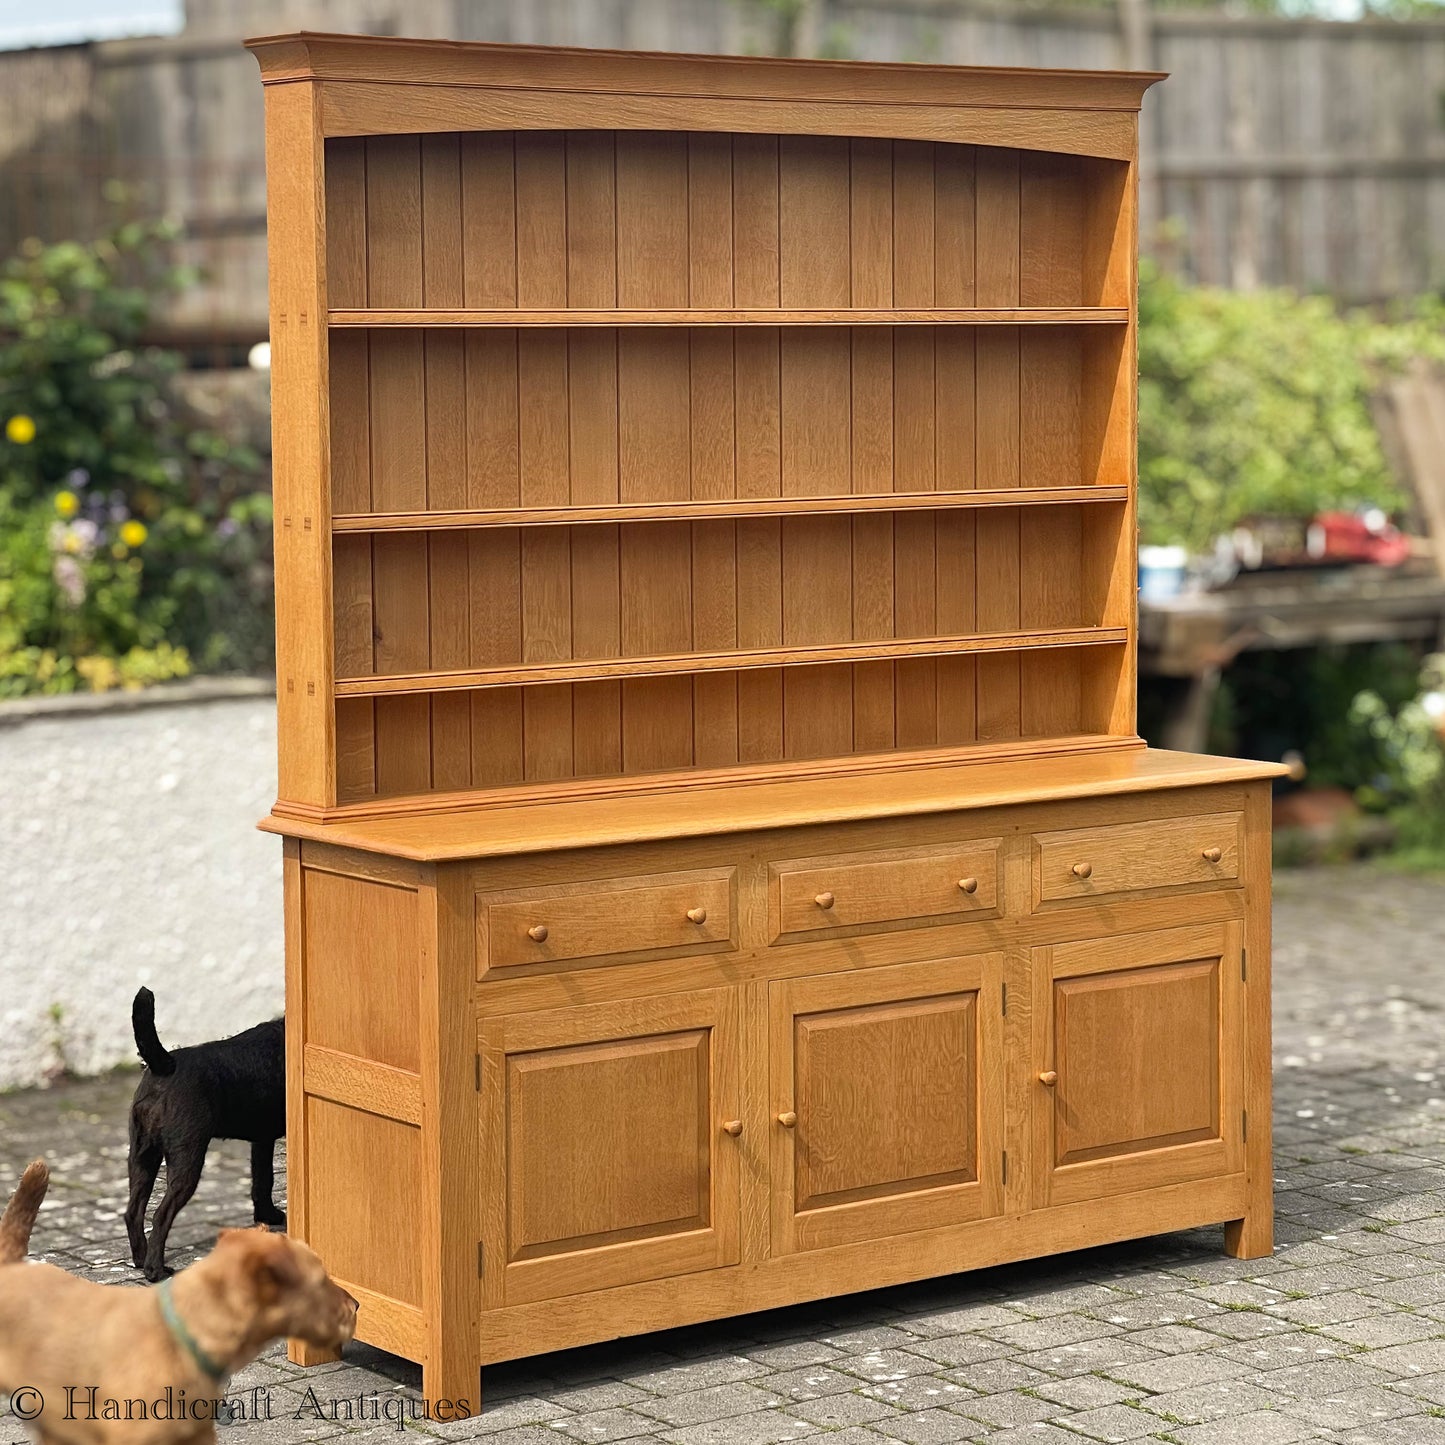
(969, 885)
(824, 900)
(1213, 855)
(538, 933)
(697, 915)
(733, 1127)
(787, 1118)
(1082, 870)
(1049, 1077)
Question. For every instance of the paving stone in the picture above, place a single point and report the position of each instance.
(811, 1384)
(880, 1365)
(929, 1427)
(919, 1392)
(1010, 1407)
(1114, 1423)
(1086, 1392)
(1323, 1377)
(833, 1412)
(1179, 1372)
(1210, 1402)
(959, 1321)
(765, 1427)
(1259, 1427)
(606, 1425)
(697, 1375)
(1381, 1330)
(1087, 1356)
(717, 1402)
(1419, 1357)
(1343, 1411)
(1277, 1352)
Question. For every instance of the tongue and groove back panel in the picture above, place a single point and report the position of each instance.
(949, 625)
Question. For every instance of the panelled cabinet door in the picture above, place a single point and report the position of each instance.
(885, 1103)
(1139, 1062)
(606, 1148)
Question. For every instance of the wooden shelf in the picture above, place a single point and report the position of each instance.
(591, 670)
(699, 316)
(730, 507)
(646, 809)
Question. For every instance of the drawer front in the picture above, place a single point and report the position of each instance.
(656, 915)
(1083, 863)
(943, 884)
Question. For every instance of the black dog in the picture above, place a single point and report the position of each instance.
(231, 1089)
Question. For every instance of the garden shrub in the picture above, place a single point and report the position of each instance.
(1258, 404)
(134, 542)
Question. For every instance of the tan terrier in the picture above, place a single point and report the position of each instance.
(91, 1364)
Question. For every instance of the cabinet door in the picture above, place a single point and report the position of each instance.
(605, 1156)
(886, 1109)
(1138, 1055)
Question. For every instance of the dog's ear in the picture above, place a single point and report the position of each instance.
(268, 1260)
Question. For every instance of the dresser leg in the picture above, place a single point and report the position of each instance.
(299, 1352)
(1251, 1237)
(452, 1387)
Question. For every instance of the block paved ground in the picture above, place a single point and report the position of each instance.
(1340, 1336)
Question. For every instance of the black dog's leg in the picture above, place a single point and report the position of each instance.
(183, 1172)
(263, 1183)
(145, 1163)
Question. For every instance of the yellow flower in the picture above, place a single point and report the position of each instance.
(20, 430)
(67, 504)
(133, 533)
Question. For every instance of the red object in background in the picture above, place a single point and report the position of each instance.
(1350, 537)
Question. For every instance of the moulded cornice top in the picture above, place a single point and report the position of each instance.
(306, 55)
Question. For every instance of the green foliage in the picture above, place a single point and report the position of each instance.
(1410, 783)
(1258, 403)
(133, 542)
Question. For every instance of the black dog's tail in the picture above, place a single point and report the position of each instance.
(19, 1217)
(157, 1057)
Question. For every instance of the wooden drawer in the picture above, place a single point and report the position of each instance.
(1082, 863)
(652, 916)
(941, 884)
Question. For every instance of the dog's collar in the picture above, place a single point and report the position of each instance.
(184, 1338)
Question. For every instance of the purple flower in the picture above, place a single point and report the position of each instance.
(227, 527)
(77, 478)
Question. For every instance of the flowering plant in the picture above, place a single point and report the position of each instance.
(134, 544)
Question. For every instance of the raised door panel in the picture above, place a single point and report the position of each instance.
(885, 1110)
(1139, 1062)
(606, 1157)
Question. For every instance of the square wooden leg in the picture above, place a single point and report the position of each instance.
(299, 1352)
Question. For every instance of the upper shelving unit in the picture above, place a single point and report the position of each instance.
(655, 414)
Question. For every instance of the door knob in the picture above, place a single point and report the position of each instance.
(1082, 870)
(1049, 1077)
(733, 1127)
(824, 900)
(697, 915)
(969, 885)
(538, 933)
(1213, 855)
(787, 1118)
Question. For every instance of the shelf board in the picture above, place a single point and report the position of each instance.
(594, 669)
(699, 316)
(730, 507)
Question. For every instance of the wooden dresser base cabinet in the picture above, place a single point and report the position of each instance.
(503, 1161)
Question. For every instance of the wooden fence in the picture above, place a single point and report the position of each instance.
(1281, 152)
